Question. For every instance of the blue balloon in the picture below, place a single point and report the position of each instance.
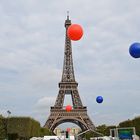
(134, 50)
(99, 99)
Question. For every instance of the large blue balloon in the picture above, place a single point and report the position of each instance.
(99, 99)
(134, 50)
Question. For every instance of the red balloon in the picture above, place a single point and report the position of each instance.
(75, 32)
(68, 108)
(68, 129)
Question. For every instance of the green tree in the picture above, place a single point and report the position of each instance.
(136, 124)
(127, 123)
(101, 129)
(88, 135)
(2, 127)
(22, 127)
(44, 131)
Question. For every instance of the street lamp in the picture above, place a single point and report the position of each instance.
(9, 113)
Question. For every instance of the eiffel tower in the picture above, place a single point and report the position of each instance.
(68, 85)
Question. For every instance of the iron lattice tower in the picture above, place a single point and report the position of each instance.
(68, 85)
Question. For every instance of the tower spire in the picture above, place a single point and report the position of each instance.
(67, 15)
(68, 70)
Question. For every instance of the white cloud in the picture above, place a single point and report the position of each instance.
(46, 102)
(41, 109)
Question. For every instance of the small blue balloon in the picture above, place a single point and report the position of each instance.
(134, 50)
(99, 99)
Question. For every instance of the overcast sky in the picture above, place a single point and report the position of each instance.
(32, 37)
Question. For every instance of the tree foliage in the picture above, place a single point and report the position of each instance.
(104, 129)
(2, 127)
(44, 131)
(21, 128)
(127, 123)
(136, 123)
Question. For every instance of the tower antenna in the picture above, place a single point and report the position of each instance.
(68, 15)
